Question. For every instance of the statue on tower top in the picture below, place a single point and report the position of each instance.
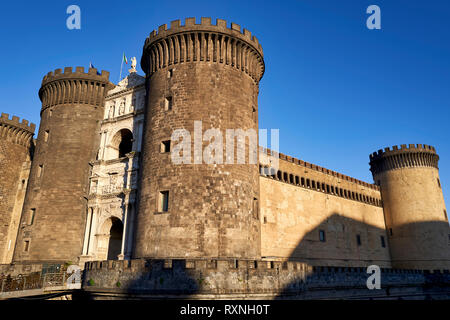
(133, 65)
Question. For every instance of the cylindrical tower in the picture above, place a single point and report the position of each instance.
(414, 208)
(16, 148)
(54, 212)
(200, 77)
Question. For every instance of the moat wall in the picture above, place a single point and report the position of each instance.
(249, 279)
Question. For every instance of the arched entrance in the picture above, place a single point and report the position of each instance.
(115, 239)
(109, 239)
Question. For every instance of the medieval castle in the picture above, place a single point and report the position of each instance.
(98, 183)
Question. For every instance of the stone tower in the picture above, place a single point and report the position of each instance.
(16, 148)
(72, 105)
(208, 73)
(414, 208)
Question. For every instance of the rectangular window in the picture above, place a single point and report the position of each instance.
(170, 73)
(445, 214)
(163, 201)
(255, 208)
(165, 146)
(31, 216)
(26, 245)
(358, 239)
(39, 170)
(46, 132)
(322, 236)
(383, 244)
(439, 182)
(168, 104)
(390, 231)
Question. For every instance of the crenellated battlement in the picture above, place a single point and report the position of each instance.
(402, 148)
(412, 155)
(79, 73)
(74, 87)
(320, 169)
(20, 132)
(146, 265)
(205, 25)
(203, 42)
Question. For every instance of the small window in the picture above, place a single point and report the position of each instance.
(439, 182)
(390, 231)
(26, 245)
(39, 170)
(170, 73)
(46, 132)
(358, 239)
(31, 216)
(255, 208)
(165, 146)
(445, 214)
(265, 220)
(168, 103)
(383, 243)
(163, 201)
(322, 236)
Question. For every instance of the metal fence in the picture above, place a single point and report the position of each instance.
(35, 280)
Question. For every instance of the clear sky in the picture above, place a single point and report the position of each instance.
(336, 90)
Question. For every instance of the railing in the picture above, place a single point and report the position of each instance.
(109, 189)
(46, 282)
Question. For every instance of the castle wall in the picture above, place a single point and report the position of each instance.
(244, 279)
(293, 215)
(72, 105)
(15, 156)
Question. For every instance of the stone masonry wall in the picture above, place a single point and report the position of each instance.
(15, 150)
(229, 279)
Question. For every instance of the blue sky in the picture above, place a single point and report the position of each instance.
(336, 90)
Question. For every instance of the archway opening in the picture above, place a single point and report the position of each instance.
(115, 239)
(121, 144)
(126, 143)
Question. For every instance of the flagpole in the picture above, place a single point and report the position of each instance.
(121, 65)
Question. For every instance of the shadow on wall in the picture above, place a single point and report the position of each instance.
(342, 241)
(340, 249)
